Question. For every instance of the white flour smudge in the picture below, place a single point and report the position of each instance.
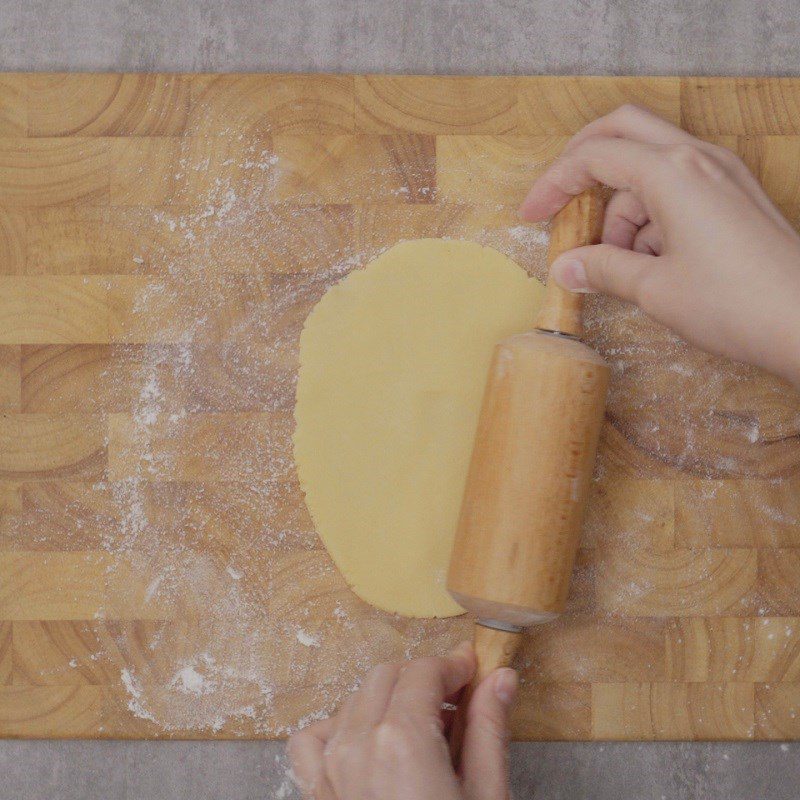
(307, 639)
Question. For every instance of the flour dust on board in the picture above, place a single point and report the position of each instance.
(243, 626)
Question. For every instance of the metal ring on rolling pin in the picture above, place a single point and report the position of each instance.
(499, 625)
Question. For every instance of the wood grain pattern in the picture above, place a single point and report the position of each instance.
(162, 239)
(725, 649)
(264, 104)
(664, 711)
(391, 103)
(51, 445)
(107, 104)
(49, 172)
(562, 106)
(13, 105)
(497, 170)
(740, 106)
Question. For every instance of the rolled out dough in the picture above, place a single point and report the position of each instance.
(393, 362)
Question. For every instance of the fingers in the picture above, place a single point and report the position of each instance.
(625, 214)
(632, 149)
(367, 707)
(603, 268)
(619, 163)
(307, 753)
(632, 122)
(484, 767)
(423, 684)
(648, 240)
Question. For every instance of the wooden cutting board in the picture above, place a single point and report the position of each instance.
(162, 238)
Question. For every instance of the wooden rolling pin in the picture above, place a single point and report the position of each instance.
(531, 468)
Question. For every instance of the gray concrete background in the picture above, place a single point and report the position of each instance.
(451, 36)
(425, 36)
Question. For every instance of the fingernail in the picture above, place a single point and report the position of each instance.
(571, 274)
(505, 685)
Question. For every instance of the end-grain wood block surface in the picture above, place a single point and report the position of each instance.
(162, 239)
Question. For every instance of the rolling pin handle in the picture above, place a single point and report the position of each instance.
(495, 647)
(579, 223)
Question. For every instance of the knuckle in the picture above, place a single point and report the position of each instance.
(638, 216)
(382, 670)
(297, 742)
(725, 156)
(694, 161)
(421, 666)
(628, 110)
(341, 752)
(394, 741)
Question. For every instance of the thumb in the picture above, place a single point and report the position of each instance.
(484, 756)
(602, 268)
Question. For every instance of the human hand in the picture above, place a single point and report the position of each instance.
(689, 236)
(388, 740)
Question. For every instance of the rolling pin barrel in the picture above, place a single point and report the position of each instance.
(531, 466)
(528, 481)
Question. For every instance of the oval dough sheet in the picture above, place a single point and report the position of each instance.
(393, 362)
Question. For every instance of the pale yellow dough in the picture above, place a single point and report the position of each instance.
(393, 362)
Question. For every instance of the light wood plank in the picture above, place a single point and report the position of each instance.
(642, 582)
(6, 660)
(13, 104)
(200, 447)
(560, 106)
(47, 446)
(664, 711)
(418, 104)
(491, 170)
(10, 378)
(355, 169)
(47, 309)
(63, 653)
(553, 712)
(81, 240)
(115, 378)
(52, 711)
(263, 104)
(49, 172)
(779, 589)
(10, 499)
(107, 104)
(13, 231)
(219, 308)
(726, 649)
(624, 510)
(738, 513)
(590, 649)
(778, 711)
(52, 585)
(740, 106)
(61, 515)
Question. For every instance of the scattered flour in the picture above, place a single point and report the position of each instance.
(189, 681)
(530, 235)
(135, 695)
(307, 639)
